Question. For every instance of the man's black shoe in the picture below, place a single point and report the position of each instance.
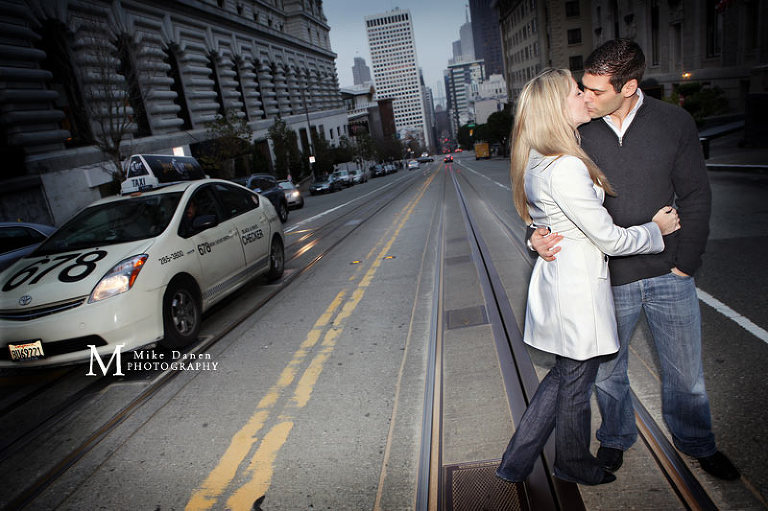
(719, 466)
(610, 459)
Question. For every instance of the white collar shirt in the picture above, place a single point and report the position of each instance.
(620, 131)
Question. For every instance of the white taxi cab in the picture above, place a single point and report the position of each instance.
(136, 270)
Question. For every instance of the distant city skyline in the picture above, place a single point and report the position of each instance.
(436, 25)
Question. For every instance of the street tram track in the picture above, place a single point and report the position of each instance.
(27, 496)
(689, 490)
(543, 491)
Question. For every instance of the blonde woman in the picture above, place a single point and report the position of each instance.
(570, 307)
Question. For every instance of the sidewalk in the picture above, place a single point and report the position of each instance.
(726, 155)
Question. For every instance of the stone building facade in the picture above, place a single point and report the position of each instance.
(155, 74)
(719, 43)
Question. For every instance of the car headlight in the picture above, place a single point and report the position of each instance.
(294, 195)
(119, 279)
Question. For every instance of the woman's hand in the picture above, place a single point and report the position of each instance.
(544, 243)
(667, 220)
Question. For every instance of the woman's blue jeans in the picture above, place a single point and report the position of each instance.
(561, 403)
(671, 306)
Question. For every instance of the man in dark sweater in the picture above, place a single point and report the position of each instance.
(650, 153)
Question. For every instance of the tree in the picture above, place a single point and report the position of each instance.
(388, 149)
(228, 145)
(323, 155)
(345, 151)
(498, 129)
(701, 102)
(113, 80)
(286, 148)
(463, 137)
(365, 145)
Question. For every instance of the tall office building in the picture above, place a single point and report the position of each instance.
(463, 85)
(360, 72)
(467, 41)
(395, 70)
(429, 114)
(486, 35)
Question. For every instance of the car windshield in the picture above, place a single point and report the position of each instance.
(260, 183)
(132, 219)
(285, 185)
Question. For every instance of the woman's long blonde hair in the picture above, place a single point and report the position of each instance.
(543, 123)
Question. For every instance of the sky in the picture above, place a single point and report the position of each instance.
(436, 25)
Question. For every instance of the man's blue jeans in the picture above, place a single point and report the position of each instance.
(561, 402)
(671, 306)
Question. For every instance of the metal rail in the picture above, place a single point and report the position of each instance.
(677, 472)
(38, 486)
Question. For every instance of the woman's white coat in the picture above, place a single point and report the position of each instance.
(570, 304)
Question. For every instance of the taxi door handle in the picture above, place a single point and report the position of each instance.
(232, 233)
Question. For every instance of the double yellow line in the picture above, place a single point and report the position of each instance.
(326, 331)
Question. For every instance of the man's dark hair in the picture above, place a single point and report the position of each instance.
(621, 59)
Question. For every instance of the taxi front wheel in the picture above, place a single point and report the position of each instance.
(181, 315)
(282, 211)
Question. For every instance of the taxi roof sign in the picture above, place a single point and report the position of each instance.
(148, 171)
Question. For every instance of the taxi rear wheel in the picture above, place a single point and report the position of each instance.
(181, 315)
(276, 259)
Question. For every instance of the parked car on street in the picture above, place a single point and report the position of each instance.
(342, 177)
(425, 158)
(358, 176)
(327, 185)
(389, 168)
(377, 170)
(292, 194)
(266, 185)
(413, 164)
(18, 239)
(127, 272)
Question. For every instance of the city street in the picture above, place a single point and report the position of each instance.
(317, 399)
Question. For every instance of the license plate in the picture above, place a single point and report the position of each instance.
(26, 351)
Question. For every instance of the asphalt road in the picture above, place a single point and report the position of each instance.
(317, 399)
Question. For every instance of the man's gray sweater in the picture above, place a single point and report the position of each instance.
(658, 162)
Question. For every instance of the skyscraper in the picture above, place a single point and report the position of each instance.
(360, 72)
(467, 42)
(486, 35)
(395, 70)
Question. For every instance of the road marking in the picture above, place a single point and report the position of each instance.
(345, 204)
(705, 297)
(226, 470)
(731, 314)
(261, 466)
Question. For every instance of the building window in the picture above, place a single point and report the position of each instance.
(127, 67)
(714, 28)
(576, 63)
(238, 69)
(654, 32)
(574, 36)
(177, 86)
(213, 66)
(572, 9)
(56, 43)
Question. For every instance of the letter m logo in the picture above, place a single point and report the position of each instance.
(104, 368)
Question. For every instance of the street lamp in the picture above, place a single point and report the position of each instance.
(309, 131)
